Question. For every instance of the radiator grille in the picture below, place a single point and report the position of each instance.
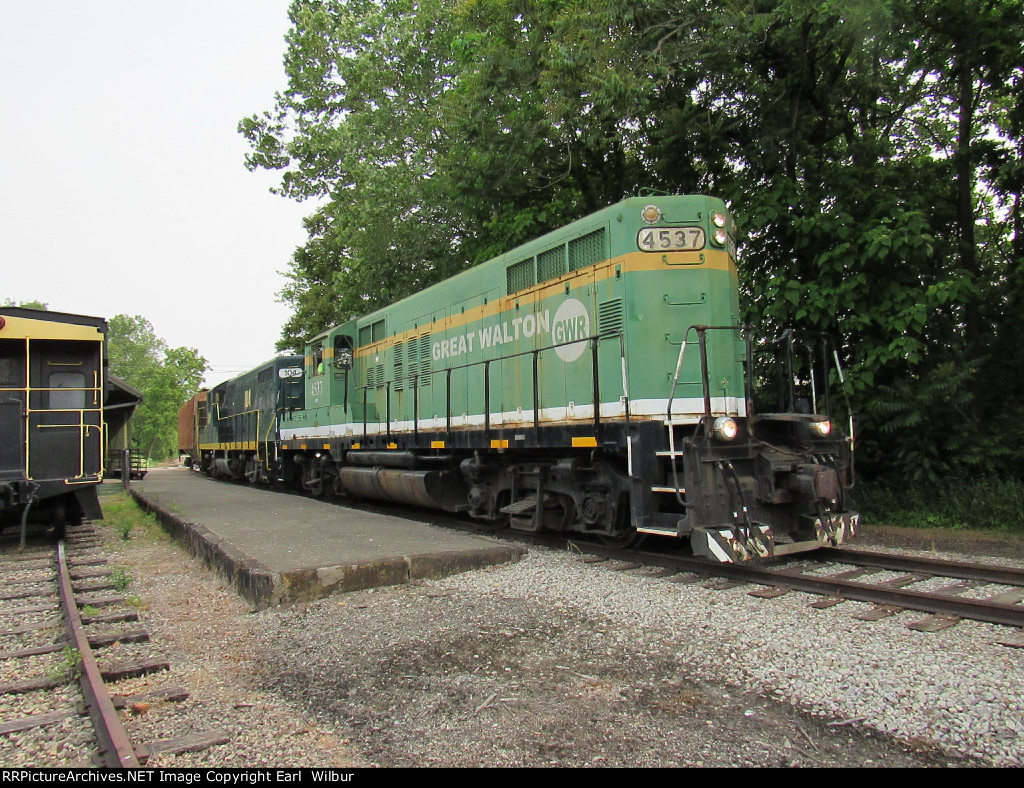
(586, 250)
(520, 276)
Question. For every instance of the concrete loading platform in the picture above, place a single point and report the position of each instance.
(276, 549)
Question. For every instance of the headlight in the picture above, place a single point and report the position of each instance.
(651, 213)
(720, 237)
(718, 219)
(725, 428)
(822, 428)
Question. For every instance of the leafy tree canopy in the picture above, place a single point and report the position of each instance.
(27, 304)
(166, 376)
(872, 150)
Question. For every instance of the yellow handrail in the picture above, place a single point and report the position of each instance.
(83, 428)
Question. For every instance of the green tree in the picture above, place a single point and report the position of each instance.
(27, 304)
(166, 376)
(872, 150)
(356, 129)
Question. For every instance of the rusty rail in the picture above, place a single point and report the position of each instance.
(993, 612)
(116, 750)
(986, 573)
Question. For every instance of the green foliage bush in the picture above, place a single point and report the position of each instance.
(986, 503)
(166, 376)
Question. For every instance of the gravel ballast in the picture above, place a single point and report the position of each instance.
(555, 662)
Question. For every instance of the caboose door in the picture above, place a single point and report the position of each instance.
(12, 409)
(65, 410)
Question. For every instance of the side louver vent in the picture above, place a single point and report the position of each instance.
(609, 316)
(399, 368)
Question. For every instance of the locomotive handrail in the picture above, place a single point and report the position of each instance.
(704, 381)
(238, 415)
(790, 336)
(266, 437)
(786, 337)
(592, 340)
(827, 342)
(706, 390)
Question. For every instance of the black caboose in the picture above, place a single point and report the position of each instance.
(52, 389)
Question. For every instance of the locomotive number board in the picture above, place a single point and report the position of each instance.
(670, 239)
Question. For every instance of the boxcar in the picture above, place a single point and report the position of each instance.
(191, 420)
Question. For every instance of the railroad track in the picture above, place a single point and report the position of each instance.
(948, 591)
(890, 581)
(62, 612)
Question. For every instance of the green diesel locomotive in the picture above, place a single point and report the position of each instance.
(233, 429)
(594, 380)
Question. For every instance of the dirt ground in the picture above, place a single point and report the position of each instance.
(420, 679)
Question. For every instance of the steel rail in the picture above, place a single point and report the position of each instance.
(987, 573)
(116, 750)
(941, 604)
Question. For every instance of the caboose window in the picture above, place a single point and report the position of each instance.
(67, 390)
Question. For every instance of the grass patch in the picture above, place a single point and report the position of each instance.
(127, 519)
(135, 601)
(69, 666)
(121, 578)
(981, 504)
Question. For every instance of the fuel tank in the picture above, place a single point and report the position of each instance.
(440, 489)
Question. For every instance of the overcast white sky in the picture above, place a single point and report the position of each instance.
(122, 184)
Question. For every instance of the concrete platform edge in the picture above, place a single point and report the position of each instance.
(263, 588)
